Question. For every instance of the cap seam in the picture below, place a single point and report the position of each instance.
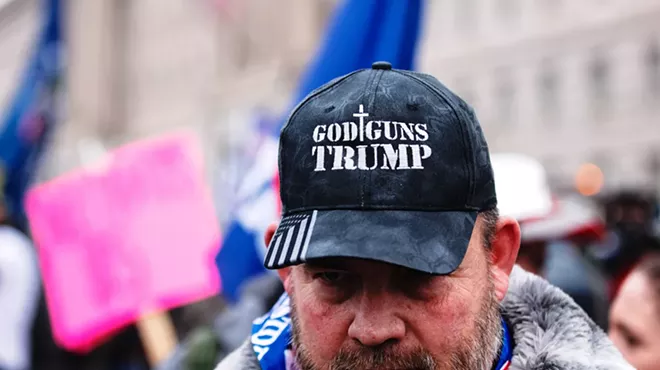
(314, 94)
(372, 108)
(293, 114)
(465, 137)
(473, 187)
(368, 100)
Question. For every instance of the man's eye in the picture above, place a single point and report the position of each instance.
(331, 277)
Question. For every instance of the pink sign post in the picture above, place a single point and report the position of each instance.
(135, 235)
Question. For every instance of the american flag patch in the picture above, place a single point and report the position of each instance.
(291, 240)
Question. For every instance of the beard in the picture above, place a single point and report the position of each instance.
(475, 352)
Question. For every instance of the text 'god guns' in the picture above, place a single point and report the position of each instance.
(407, 154)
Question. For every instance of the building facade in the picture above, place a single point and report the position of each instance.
(19, 23)
(141, 68)
(567, 82)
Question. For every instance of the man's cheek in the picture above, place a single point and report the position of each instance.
(323, 322)
(455, 304)
(311, 303)
(323, 337)
(323, 318)
(454, 316)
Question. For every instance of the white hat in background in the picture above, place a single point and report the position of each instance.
(574, 217)
(521, 186)
(523, 193)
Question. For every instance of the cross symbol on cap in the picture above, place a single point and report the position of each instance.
(361, 116)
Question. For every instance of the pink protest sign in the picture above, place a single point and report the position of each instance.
(135, 234)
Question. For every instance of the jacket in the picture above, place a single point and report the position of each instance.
(550, 332)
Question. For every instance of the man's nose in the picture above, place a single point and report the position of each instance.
(375, 323)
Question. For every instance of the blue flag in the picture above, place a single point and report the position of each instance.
(359, 33)
(29, 119)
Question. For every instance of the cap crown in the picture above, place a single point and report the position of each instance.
(384, 139)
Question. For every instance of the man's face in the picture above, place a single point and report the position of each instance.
(360, 314)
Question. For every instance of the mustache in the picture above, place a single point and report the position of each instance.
(384, 358)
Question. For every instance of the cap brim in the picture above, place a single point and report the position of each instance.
(430, 242)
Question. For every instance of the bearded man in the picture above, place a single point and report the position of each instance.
(391, 250)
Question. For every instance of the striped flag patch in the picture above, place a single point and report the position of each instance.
(291, 240)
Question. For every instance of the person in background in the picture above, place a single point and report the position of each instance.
(552, 231)
(19, 293)
(635, 315)
(523, 194)
(630, 217)
(567, 232)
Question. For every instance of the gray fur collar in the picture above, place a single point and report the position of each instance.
(550, 332)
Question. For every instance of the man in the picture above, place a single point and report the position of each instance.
(19, 293)
(629, 216)
(390, 248)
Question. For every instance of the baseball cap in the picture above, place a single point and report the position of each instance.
(381, 164)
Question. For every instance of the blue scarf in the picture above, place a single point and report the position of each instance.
(506, 352)
(271, 337)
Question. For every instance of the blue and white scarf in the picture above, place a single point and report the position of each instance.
(271, 339)
(271, 336)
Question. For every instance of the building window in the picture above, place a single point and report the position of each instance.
(599, 74)
(548, 85)
(553, 172)
(507, 10)
(653, 165)
(652, 68)
(505, 97)
(550, 7)
(465, 15)
(604, 161)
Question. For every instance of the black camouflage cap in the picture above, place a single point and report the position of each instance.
(381, 164)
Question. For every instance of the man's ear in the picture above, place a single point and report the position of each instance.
(503, 253)
(270, 232)
(283, 272)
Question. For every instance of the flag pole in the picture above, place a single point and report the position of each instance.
(158, 336)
